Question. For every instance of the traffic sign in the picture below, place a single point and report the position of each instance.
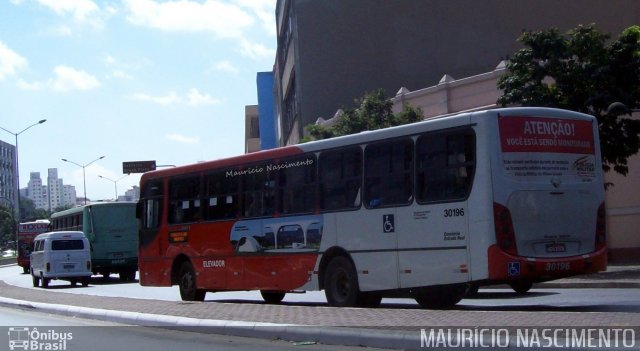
(138, 166)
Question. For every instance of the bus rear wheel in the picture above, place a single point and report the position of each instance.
(521, 286)
(128, 275)
(341, 283)
(272, 297)
(187, 282)
(438, 297)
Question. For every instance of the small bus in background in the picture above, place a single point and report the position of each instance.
(425, 210)
(112, 230)
(26, 233)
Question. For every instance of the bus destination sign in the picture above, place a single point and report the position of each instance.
(138, 166)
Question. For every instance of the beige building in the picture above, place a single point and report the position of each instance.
(479, 92)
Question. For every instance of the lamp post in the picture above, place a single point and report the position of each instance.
(84, 178)
(17, 194)
(115, 183)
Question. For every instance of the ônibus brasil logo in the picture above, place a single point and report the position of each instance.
(32, 339)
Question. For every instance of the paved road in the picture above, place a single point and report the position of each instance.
(393, 325)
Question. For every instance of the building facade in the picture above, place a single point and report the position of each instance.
(52, 195)
(331, 52)
(8, 196)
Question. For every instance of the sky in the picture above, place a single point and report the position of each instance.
(131, 80)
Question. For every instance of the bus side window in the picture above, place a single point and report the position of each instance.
(297, 186)
(445, 166)
(388, 173)
(221, 196)
(340, 179)
(184, 200)
(152, 205)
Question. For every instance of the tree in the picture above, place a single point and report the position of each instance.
(29, 212)
(582, 71)
(374, 111)
(7, 226)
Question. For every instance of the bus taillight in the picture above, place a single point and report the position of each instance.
(505, 236)
(601, 227)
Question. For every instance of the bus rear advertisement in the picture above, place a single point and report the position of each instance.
(431, 211)
(26, 233)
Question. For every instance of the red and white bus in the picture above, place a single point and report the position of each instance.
(26, 233)
(424, 210)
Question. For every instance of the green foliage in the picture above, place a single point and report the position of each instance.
(29, 212)
(374, 111)
(7, 225)
(583, 71)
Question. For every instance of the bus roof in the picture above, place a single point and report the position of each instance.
(437, 122)
(96, 204)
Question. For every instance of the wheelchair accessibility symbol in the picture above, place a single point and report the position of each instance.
(513, 269)
(388, 224)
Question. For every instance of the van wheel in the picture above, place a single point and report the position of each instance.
(341, 283)
(188, 289)
(272, 297)
(85, 281)
(73, 282)
(45, 281)
(36, 280)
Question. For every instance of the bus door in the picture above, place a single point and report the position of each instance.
(433, 232)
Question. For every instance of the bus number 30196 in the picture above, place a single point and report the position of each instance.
(454, 212)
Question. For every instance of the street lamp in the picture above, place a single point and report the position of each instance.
(84, 178)
(115, 183)
(17, 195)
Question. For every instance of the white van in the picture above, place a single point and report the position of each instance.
(61, 255)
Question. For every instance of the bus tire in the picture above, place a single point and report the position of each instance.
(521, 286)
(187, 283)
(128, 275)
(25, 270)
(367, 299)
(36, 280)
(341, 283)
(272, 297)
(438, 297)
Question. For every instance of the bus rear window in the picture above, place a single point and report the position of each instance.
(71, 244)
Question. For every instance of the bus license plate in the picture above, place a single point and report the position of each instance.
(556, 247)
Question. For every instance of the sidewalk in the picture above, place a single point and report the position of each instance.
(397, 327)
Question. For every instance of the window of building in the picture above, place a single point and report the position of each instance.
(445, 166)
(340, 176)
(388, 173)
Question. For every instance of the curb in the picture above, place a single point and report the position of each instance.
(339, 336)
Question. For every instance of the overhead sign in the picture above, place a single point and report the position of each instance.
(138, 166)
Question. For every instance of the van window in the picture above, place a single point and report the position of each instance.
(57, 245)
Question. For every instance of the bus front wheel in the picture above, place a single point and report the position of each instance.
(341, 283)
(188, 290)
